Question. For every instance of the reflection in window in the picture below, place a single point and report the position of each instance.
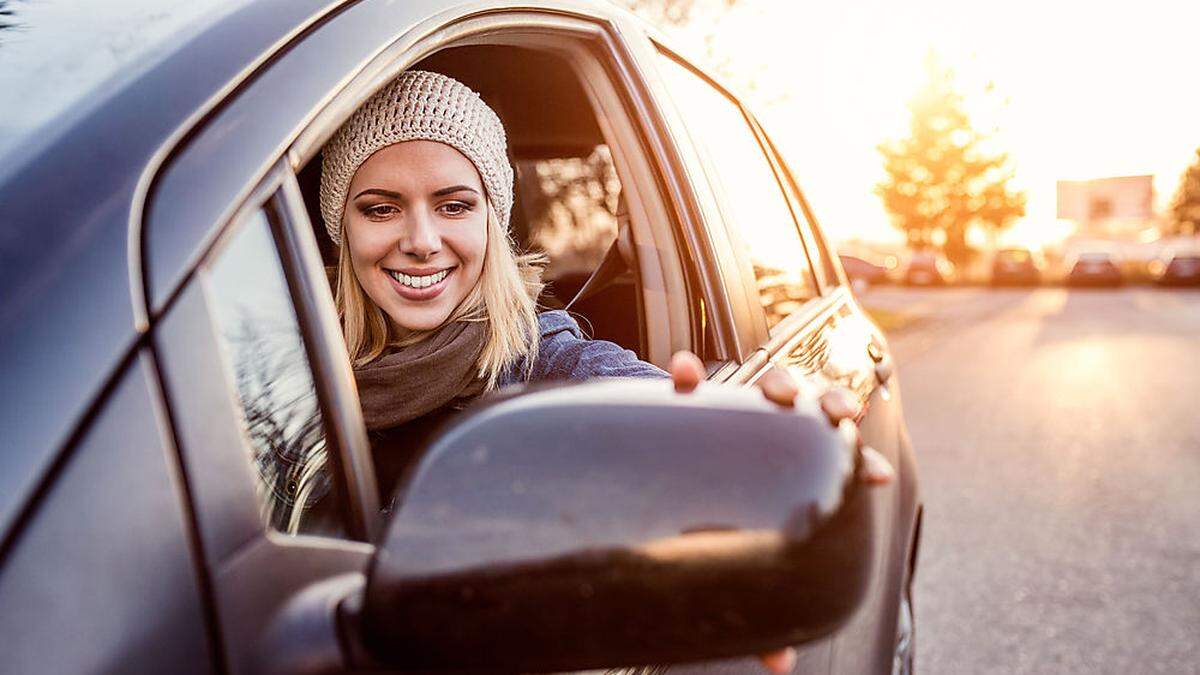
(758, 210)
(258, 328)
(571, 205)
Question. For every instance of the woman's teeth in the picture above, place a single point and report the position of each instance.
(419, 282)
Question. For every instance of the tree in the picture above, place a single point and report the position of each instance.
(1185, 208)
(942, 180)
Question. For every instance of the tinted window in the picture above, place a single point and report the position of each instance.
(274, 385)
(757, 210)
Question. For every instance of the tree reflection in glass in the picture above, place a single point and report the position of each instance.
(281, 417)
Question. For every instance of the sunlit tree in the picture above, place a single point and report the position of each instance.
(943, 179)
(1185, 208)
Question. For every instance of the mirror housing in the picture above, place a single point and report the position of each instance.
(616, 523)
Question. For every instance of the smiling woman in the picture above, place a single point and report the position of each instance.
(417, 181)
(436, 305)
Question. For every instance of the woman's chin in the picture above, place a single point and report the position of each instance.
(420, 317)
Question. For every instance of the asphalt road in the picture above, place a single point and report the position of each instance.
(1058, 439)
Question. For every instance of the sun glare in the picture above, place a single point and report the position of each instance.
(1071, 90)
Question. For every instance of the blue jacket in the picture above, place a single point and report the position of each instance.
(565, 354)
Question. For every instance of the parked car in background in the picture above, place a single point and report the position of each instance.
(926, 268)
(861, 271)
(1094, 268)
(1179, 269)
(187, 484)
(1015, 267)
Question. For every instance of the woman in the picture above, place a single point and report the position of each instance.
(436, 306)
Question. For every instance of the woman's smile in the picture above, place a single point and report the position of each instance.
(419, 285)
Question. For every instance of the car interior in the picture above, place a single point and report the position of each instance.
(569, 201)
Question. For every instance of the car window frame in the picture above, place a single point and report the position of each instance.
(316, 318)
(731, 295)
(406, 44)
(829, 275)
(743, 275)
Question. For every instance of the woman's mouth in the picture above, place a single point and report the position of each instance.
(419, 286)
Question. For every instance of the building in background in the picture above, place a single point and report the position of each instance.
(1115, 215)
(1116, 208)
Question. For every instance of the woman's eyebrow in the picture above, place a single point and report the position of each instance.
(381, 193)
(452, 189)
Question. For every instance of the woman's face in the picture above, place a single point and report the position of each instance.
(416, 225)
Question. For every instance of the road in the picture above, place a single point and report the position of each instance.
(1058, 439)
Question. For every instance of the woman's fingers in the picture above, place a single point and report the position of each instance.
(839, 405)
(778, 385)
(875, 469)
(780, 662)
(687, 371)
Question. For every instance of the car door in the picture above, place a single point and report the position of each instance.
(799, 315)
(98, 572)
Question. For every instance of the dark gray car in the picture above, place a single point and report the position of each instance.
(186, 483)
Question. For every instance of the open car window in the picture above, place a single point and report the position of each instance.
(570, 204)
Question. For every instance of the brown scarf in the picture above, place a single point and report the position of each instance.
(420, 378)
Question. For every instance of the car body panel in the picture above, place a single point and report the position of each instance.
(72, 303)
(101, 577)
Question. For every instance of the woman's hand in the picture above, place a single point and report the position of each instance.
(778, 385)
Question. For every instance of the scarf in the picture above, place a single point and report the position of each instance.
(418, 379)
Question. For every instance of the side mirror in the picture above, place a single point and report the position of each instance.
(617, 523)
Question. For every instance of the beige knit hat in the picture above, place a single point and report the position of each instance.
(418, 105)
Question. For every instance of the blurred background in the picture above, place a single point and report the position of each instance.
(1015, 191)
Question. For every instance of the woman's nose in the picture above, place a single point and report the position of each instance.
(421, 240)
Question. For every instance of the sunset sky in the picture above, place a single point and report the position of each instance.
(1081, 90)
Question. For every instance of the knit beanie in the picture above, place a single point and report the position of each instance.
(418, 105)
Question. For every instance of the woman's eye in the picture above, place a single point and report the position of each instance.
(380, 211)
(455, 208)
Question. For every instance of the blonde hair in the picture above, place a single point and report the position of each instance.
(505, 297)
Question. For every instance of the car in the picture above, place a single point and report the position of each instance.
(1094, 268)
(1180, 269)
(926, 268)
(1015, 267)
(859, 270)
(187, 484)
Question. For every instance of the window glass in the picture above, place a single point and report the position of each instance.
(570, 204)
(817, 252)
(758, 213)
(282, 422)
